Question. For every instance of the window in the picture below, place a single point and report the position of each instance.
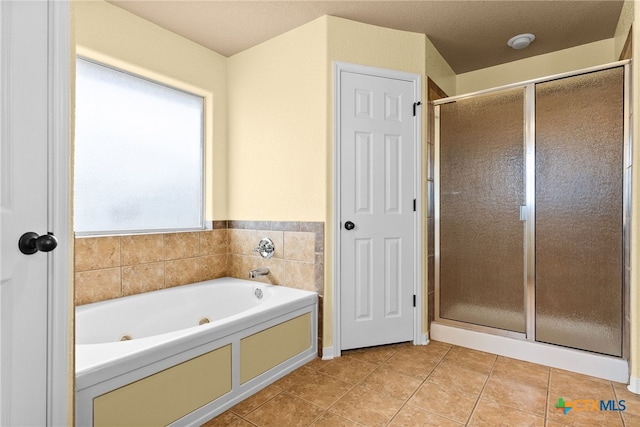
(138, 154)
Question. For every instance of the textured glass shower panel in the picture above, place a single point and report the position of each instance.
(481, 266)
(579, 195)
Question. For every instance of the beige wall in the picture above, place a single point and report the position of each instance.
(109, 34)
(623, 27)
(439, 70)
(277, 133)
(575, 58)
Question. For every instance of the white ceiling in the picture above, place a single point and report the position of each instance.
(469, 34)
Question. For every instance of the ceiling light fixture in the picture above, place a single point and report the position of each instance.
(521, 41)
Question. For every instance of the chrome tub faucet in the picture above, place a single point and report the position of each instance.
(262, 271)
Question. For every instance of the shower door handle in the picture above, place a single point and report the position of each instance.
(523, 213)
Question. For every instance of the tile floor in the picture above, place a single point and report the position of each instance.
(434, 385)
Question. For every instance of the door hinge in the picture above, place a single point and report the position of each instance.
(415, 105)
(414, 300)
(414, 205)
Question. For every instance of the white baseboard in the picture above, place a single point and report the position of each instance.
(423, 339)
(610, 368)
(327, 353)
(634, 385)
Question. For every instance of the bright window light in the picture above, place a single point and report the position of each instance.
(138, 154)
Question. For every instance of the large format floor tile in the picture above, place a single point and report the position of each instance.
(433, 385)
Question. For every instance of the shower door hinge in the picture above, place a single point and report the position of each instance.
(414, 300)
(415, 105)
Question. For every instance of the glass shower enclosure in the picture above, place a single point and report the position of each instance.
(531, 209)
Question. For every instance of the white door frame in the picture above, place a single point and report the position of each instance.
(338, 67)
(59, 284)
(59, 202)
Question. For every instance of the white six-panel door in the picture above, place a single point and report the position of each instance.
(377, 187)
(34, 184)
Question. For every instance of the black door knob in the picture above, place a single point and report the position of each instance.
(349, 225)
(30, 243)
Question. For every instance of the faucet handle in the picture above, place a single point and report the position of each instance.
(265, 248)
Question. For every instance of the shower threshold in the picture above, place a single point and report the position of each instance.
(582, 362)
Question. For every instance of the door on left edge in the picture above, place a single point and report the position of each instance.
(29, 199)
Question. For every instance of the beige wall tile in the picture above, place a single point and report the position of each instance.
(299, 246)
(97, 285)
(241, 242)
(214, 242)
(181, 245)
(234, 267)
(319, 273)
(141, 278)
(194, 256)
(213, 266)
(299, 275)
(181, 272)
(95, 253)
(276, 270)
(141, 249)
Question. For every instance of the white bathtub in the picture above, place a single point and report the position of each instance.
(122, 341)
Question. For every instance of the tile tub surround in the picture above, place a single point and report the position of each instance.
(434, 385)
(114, 266)
(298, 258)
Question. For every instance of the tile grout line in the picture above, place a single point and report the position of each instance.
(360, 382)
(418, 388)
(327, 410)
(354, 386)
(256, 408)
(615, 396)
(475, 406)
(324, 411)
